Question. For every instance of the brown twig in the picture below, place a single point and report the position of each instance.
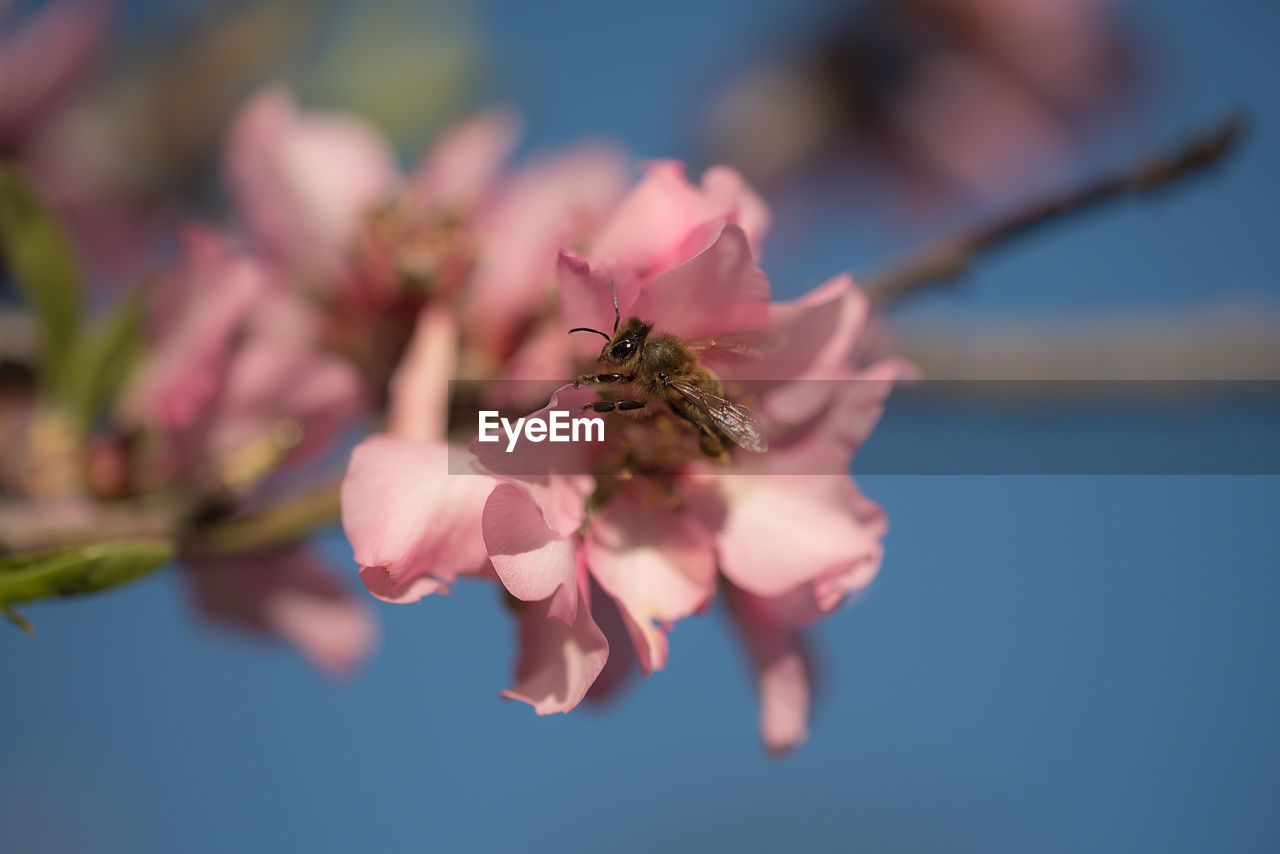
(281, 524)
(40, 524)
(951, 258)
(1237, 342)
(34, 524)
(18, 337)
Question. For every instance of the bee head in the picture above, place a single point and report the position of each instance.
(626, 342)
(627, 338)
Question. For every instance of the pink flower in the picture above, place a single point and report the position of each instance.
(41, 62)
(304, 181)
(930, 100)
(559, 661)
(749, 519)
(414, 525)
(782, 664)
(234, 369)
(233, 390)
(664, 215)
(322, 193)
(644, 520)
(545, 205)
(289, 594)
(661, 223)
(419, 518)
(65, 143)
(195, 314)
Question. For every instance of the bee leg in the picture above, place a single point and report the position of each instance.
(711, 446)
(602, 378)
(614, 405)
(709, 442)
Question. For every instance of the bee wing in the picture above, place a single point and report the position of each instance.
(747, 344)
(739, 423)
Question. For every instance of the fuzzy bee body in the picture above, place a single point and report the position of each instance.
(665, 368)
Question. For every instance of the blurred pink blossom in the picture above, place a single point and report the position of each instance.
(233, 389)
(931, 100)
(61, 132)
(304, 181)
(289, 594)
(784, 671)
(43, 57)
(570, 539)
(232, 365)
(540, 208)
(321, 193)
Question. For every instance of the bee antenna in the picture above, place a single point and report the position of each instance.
(617, 317)
(589, 329)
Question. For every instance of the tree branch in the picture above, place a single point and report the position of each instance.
(18, 337)
(35, 524)
(1214, 345)
(283, 523)
(951, 258)
(38, 524)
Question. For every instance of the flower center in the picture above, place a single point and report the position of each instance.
(432, 254)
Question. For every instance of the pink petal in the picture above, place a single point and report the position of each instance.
(718, 290)
(198, 311)
(650, 230)
(782, 670)
(283, 315)
(622, 659)
(818, 332)
(533, 561)
(555, 476)
(807, 356)
(558, 661)
(290, 594)
(818, 335)
(656, 562)
(43, 60)
(463, 164)
(547, 206)
(814, 600)
(978, 126)
(586, 298)
(727, 196)
(304, 180)
(830, 420)
(419, 406)
(776, 532)
(543, 356)
(652, 221)
(413, 525)
(272, 386)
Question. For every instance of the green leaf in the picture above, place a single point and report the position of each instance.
(41, 261)
(102, 359)
(79, 570)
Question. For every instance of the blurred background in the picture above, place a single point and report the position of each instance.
(1048, 661)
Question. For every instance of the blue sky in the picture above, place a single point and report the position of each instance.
(1049, 664)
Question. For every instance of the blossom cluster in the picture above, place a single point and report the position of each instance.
(344, 294)
(578, 532)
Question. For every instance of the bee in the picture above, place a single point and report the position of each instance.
(663, 367)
